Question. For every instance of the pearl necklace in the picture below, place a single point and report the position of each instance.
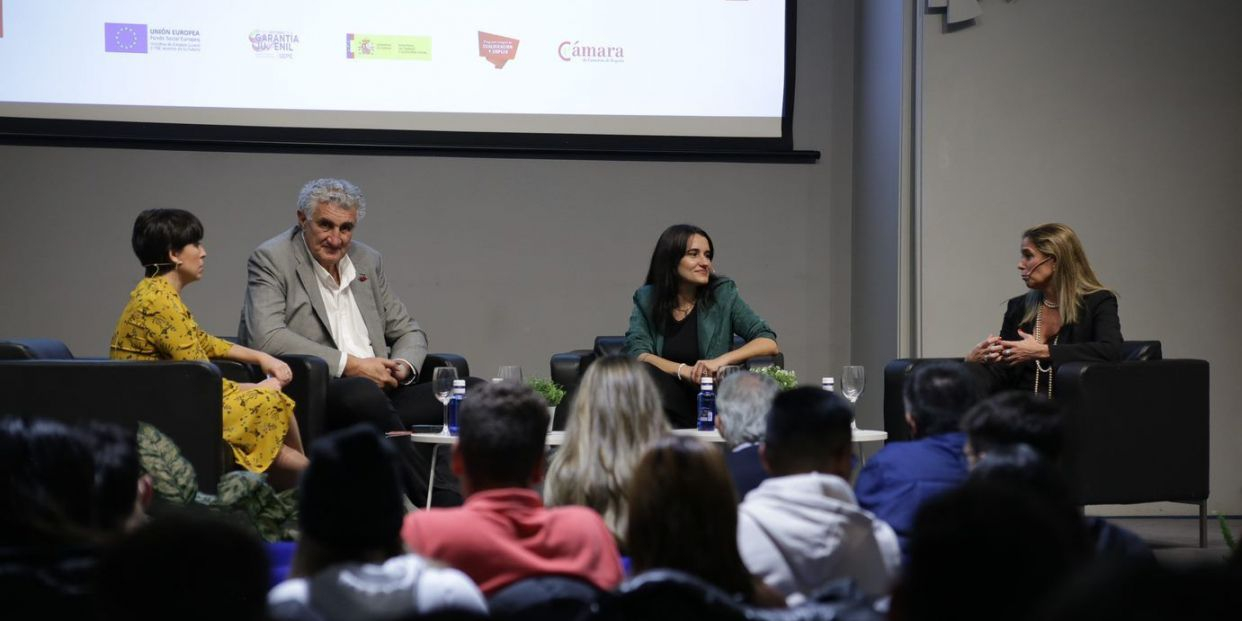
(1050, 304)
(1039, 367)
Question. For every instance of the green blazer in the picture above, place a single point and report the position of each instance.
(725, 316)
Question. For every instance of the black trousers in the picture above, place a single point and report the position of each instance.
(681, 398)
(354, 400)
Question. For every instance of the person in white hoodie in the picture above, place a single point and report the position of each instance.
(803, 528)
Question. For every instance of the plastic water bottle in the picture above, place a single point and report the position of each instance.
(454, 404)
(707, 404)
(829, 384)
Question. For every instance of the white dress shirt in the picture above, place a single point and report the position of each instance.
(345, 322)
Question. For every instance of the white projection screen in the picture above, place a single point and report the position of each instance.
(577, 74)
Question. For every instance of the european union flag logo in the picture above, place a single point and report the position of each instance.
(128, 38)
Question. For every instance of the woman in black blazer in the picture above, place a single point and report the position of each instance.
(1066, 315)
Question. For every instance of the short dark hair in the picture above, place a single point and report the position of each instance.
(160, 231)
(504, 428)
(117, 470)
(47, 483)
(806, 427)
(969, 537)
(937, 394)
(1015, 417)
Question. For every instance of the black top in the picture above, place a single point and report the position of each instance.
(1096, 337)
(681, 339)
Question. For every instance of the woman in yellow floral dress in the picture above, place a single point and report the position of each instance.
(156, 325)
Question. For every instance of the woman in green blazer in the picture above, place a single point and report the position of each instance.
(684, 319)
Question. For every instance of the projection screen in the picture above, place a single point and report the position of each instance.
(633, 73)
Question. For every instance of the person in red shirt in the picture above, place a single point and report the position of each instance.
(503, 533)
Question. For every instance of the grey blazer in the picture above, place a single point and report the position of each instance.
(283, 312)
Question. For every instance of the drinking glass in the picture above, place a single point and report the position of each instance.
(511, 373)
(852, 382)
(726, 371)
(442, 383)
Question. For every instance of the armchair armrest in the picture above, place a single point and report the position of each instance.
(309, 391)
(764, 361)
(567, 367)
(442, 360)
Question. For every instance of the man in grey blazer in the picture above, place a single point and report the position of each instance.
(313, 290)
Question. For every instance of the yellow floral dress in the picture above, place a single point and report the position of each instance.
(156, 325)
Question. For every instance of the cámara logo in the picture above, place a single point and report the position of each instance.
(496, 49)
(590, 53)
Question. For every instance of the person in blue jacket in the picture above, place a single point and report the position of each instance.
(903, 475)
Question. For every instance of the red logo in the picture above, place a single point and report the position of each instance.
(496, 49)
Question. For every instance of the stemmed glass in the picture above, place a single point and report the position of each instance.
(442, 384)
(852, 383)
(511, 373)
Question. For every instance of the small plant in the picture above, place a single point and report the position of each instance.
(786, 378)
(550, 390)
(1227, 533)
(241, 494)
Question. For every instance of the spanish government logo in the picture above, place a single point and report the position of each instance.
(387, 47)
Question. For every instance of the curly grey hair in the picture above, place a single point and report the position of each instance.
(335, 191)
(743, 402)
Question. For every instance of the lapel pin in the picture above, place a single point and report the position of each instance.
(362, 277)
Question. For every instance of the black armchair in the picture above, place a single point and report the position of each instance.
(545, 598)
(41, 377)
(442, 360)
(675, 595)
(1136, 430)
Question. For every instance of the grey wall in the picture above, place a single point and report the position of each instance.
(504, 261)
(880, 226)
(1122, 118)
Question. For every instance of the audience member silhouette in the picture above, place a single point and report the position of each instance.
(48, 537)
(802, 528)
(123, 492)
(349, 564)
(683, 516)
(742, 403)
(615, 416)
(985, 551)
(903, 475)
(1012, 418)
(503, 533)
(183, 566)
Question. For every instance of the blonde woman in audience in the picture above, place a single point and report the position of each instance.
(615, 416)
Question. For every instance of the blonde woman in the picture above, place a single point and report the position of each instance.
(1066, 315)
(615, 416)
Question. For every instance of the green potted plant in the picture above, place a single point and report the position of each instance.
(243, 495)
(548, 389)
(786, 378)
